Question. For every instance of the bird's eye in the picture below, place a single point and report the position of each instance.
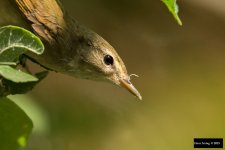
(108, 60)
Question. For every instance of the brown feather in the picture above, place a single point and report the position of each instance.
(46, 16)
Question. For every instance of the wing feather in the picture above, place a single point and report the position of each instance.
(47, 17)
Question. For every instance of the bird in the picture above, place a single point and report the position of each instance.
(70, 48)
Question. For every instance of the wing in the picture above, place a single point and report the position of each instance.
(46, 16)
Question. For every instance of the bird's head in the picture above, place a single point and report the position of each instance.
(96, 59)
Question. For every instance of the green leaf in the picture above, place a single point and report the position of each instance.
(173, 8)
(14, 41)
(36, 113)
(15, 126)
(22, 88)
(14, 75)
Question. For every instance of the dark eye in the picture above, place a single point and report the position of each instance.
(108, 60)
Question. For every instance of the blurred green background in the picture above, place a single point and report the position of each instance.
(182, 81)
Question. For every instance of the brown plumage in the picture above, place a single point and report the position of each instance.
(70, 47)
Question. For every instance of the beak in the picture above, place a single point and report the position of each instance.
(129, 86)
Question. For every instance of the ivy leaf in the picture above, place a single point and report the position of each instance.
(22, 88)
(15, 125)
(16, 76)
(173, 8)
(14, 41)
